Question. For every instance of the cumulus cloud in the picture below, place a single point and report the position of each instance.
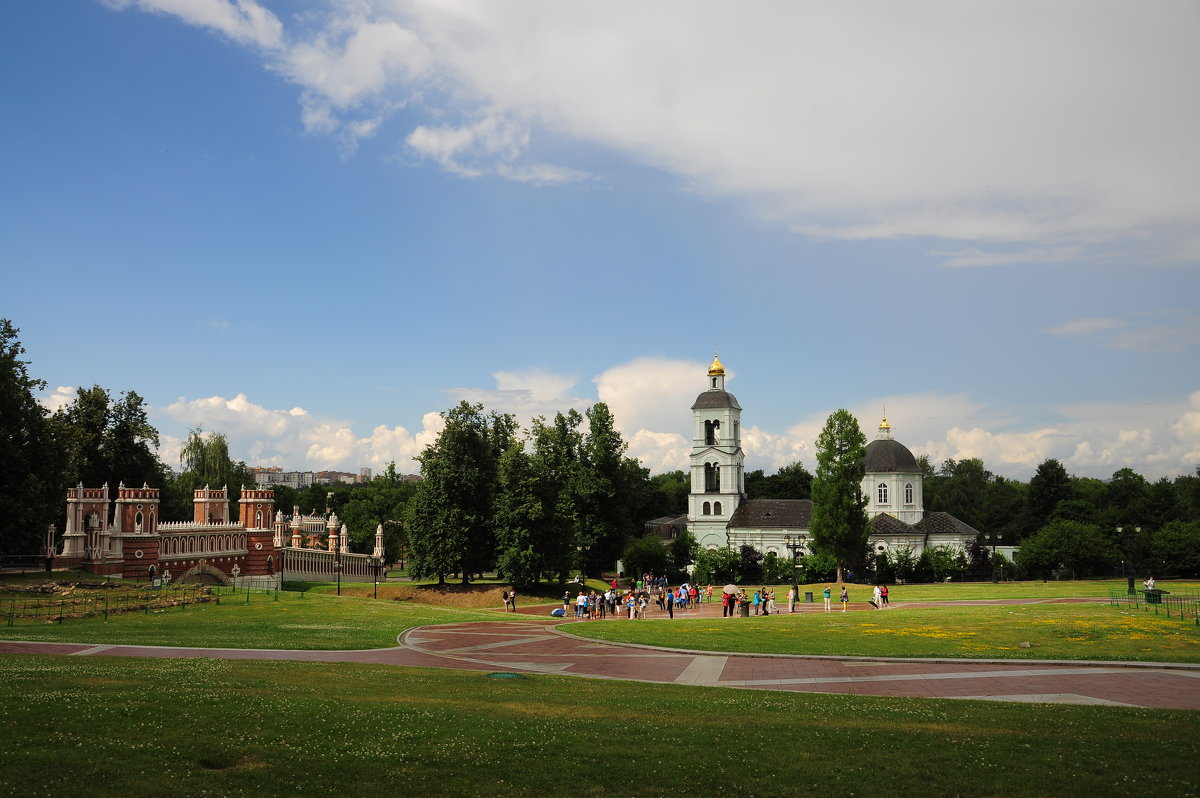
(1049, 124)
(59, 398)
(295, 439)
(651, 399)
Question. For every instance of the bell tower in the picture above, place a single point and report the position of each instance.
(717, 461)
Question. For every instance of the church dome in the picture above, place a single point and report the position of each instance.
(886, 454)
(716, 369)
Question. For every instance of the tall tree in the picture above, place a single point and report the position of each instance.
(1049, 485)
(204, 460)
(839, 522)
(520, 519)
(31, 485)
(450, 523)
(555, 459)
(107, 442)
(604, 487)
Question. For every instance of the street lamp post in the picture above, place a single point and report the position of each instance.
(794, 546)
(337, 566)
(1128, 537)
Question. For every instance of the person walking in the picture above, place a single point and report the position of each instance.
(771, 601)
(670, 599)
(845, 598)
(828, 595)
(884, 592)
(878, 597)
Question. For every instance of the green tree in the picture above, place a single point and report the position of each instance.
(555, 459)
(839, 520)
(604, 488)
(204, 459)
(451, 517)
(107, 442)
(1176, 548)
(1081, 548)
(667, 494)
(645, 555)
(31, 468)
(520, 519)
(793, 481)
(1049, 486)
(684, 550)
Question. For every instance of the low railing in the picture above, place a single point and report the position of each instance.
(52, 609)
(1180, 604)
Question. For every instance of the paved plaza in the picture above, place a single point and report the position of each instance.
(540, 647)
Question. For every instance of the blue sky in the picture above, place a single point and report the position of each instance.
(312, 226)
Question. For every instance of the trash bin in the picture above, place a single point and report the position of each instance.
(745, 605)
(1155, 596)
(808, 596)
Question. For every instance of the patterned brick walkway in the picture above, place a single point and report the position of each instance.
(541, 648)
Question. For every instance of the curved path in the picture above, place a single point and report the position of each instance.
(539, 647)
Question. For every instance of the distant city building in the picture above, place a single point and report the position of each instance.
(270, 476)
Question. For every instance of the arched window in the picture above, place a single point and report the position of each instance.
(716, 508)
(882, 492)
(707, 508)
(908, 493)
(711, 429)
(151, 529)
(137, 522)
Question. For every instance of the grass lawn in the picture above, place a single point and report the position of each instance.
(131, 727)
(1054, 631)
(295, 621)
(967, 591)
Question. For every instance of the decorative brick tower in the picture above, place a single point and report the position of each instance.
(211, 506)
(137, 511)
(255, 508)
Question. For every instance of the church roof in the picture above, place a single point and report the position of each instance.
(885, 455)
(884, 524)
(716, 399)
(944, 524)
(763, 513)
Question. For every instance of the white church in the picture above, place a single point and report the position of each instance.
(719, 515)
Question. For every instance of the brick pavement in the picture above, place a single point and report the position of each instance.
(540, 647)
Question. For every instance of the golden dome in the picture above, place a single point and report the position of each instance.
(716, 369)
(884, 425)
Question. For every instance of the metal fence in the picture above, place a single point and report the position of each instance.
(1179, 604)
(58, 609)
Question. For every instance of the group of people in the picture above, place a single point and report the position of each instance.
(880, 597)
(632, 602)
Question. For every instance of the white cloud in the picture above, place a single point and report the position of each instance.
(294, 439)
(244, 21)
(1085, 326)
(1177, 333)
(59, 398)
(973, 256)
(652, 393)
(650, 399)
(1051, 124)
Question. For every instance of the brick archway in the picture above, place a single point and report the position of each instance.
(204, 575)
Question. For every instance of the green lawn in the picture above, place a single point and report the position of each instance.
(131, 727)
(1054, 631)
(295, 621)
(965, 591)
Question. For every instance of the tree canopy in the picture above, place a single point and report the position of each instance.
(839, 520)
